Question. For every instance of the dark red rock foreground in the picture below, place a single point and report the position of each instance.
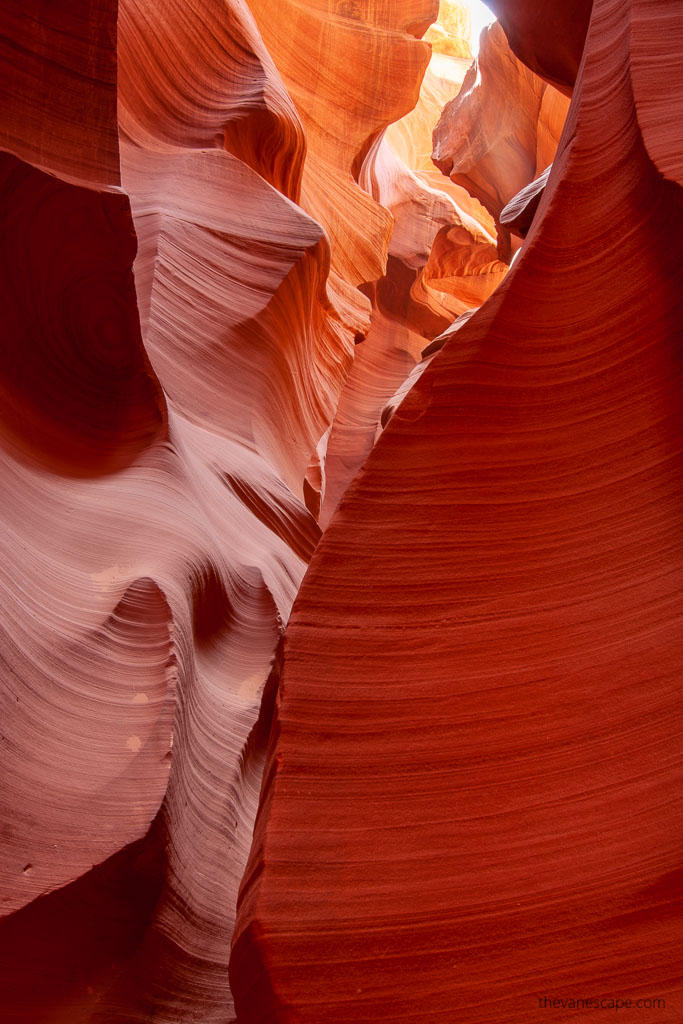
(471, 800)
(240, 301)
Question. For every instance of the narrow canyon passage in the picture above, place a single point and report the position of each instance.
(340, 443)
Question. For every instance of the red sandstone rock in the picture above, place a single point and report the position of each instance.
(657, 85)
(518, 214)
(78, 395)
(470, 796)
(480, 671)
(442, 260)
(235, 98)
(546, 36)
(58, 87)
(502, 129)
(158, 440)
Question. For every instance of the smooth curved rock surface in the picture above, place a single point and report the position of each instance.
(471, 794)
(58, 88)
(501, 130)
(235, 97)
(228, 262)
(172, 361)
(518, 214)
(547, 36)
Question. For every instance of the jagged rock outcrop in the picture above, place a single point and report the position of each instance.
(469, 802)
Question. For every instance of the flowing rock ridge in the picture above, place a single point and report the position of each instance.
(501, 130)
(470, 797)
(227, 257)
(201, 225)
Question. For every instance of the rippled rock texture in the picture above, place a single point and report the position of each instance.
(192, 240)
(470, 798)
(501, 131)
(228, 257)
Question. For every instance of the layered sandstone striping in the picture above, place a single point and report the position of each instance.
(502, 129)
(222, 275)
(470, 795)
(175, 350)
(442, 257)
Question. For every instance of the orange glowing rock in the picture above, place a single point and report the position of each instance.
(470, 802)
(442, 260)
(234, 280)
(502, 129)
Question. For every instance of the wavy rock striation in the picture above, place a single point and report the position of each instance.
(229, 263)
(501, 131)
(181, 304)
(470, 795)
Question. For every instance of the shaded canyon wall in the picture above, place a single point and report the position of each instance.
(228, 254)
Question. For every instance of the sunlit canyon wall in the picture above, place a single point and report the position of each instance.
(280, 268)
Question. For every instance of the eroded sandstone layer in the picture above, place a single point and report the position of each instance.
(192, 241)
(470, 798)
(228, 257)
(501, 131)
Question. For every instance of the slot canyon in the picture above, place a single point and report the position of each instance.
(341, 450)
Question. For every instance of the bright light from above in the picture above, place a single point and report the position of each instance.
(481, 16)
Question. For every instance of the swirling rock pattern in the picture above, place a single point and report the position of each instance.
(183, 237)
(469, 802)
(442, 259)
(228, 264)
(501, 130)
